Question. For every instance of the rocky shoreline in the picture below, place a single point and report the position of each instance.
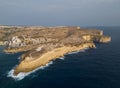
(43, 44)
(27, 64)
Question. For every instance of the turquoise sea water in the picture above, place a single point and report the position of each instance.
(93, 68)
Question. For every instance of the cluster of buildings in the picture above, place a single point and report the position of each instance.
(15, 42)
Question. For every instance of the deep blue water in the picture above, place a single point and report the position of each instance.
(94, 68)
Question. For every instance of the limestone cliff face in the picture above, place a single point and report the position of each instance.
(28, 64)
(97, 38)
(87, 37)
(104, 39)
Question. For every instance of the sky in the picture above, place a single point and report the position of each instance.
(60, 12)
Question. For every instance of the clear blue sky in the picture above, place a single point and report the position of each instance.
(60, 12)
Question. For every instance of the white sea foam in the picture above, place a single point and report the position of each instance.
(75, 52)
(22, 75)
(18, 58)
(62, 58)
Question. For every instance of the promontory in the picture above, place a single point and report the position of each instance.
(40, 45)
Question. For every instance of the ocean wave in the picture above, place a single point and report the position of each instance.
(75, 52)
(62, 58)
(22, 75)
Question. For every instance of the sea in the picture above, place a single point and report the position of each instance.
(90, 68)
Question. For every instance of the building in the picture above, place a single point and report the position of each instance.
(15, 42)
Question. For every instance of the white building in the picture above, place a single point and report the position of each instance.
(14, 42)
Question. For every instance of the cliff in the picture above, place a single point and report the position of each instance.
(43, 44)
(29, 64)
(97, 38)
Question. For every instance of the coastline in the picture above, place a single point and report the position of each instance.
(44, 44)
(27, 66)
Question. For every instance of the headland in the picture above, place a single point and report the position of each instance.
(44, 44)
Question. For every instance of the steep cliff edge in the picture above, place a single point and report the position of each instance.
(43, 44)
(27, 64)
(97, 38)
